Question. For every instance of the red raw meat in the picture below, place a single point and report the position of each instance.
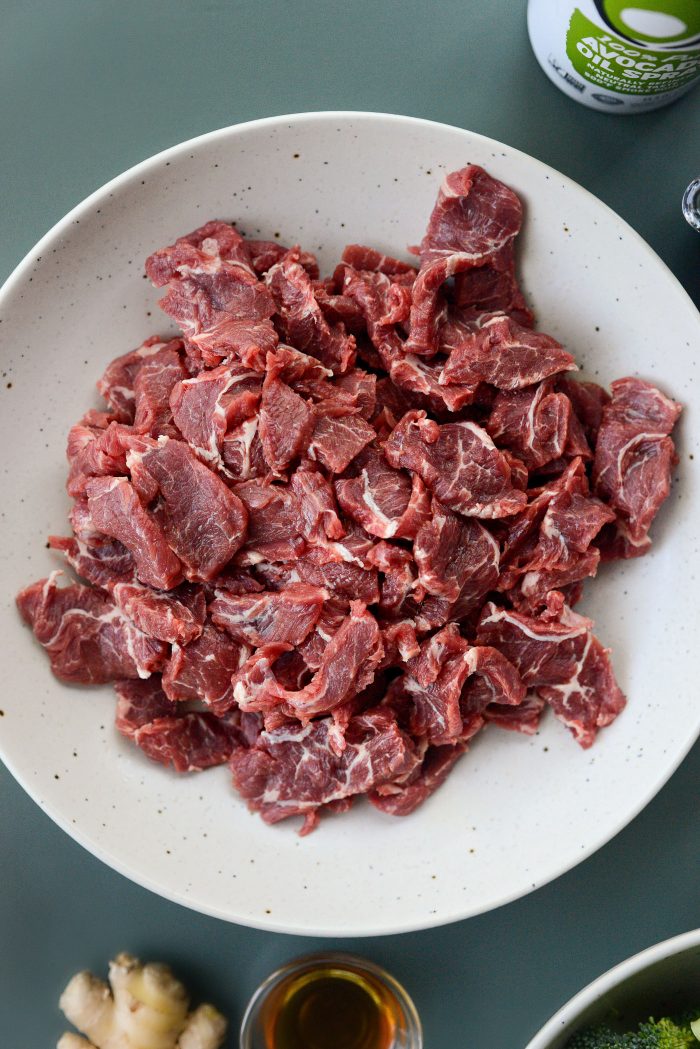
(101, 562)
(117, 383)
(338, 437)
(562, 659)
(215, 297)
(475, 217)
(115, 510)
(347, 666)
(333, 576)
(387, 503)
(457, 559)
(443, 711)
(207, 406)
(152, 386)
(203, 521)
(88, 639)
(274, 523)
(203, 669)
(187, 740)
(364, 258)
(139, 702)
(459, 463)
(95, 452)
(294, 770)
(533, 423)
(507, 355)
(401, 799)
(493, 286)
(633, 457)
(158, 615)
(301, 319)
(286, 425)
(318, 512)
(287, 616)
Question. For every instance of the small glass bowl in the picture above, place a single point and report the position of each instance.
(691, 204)
(407, 1034)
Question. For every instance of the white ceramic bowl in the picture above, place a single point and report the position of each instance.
(517, 811)
(660, 981)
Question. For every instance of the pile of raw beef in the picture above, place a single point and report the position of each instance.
(338, 526)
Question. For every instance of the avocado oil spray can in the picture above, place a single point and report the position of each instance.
(619, 56)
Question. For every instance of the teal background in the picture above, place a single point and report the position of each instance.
(90, 87)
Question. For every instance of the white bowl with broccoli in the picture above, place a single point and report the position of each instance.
(651, 998)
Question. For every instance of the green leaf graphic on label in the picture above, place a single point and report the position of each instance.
(605, 60)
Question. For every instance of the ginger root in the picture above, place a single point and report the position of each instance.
(146, 1008)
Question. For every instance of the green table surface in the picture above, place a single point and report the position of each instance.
(90, 87)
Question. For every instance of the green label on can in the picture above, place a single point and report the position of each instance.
(610, 62)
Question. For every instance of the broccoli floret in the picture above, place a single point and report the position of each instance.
(598, 1038)
(665, 1034)
(654, 1034)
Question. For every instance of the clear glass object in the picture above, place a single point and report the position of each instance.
(691, 204)
(331, 1001)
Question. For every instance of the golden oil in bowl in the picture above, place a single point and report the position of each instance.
(331, 1001)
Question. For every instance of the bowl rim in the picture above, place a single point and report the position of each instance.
(613, 977)
(121, 181)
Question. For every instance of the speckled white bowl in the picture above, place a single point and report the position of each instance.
(661, 981)
(517, 811)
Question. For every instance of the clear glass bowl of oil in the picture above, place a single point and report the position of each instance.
(331, 1001)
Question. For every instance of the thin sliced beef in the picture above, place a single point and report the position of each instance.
(158, 615)
(338, 437)
(457, 559)
(363, 258)
(95, 452)
(563, 661)
(274, 523)
(401, 799)
(524, 718)
(533, 423)
(100, 562)
(507, 355)
(139, 702)
(203, 521)
(286, 425)
(290, 545)
(435, 681)
(242, 452)
(215, 297)
(187, 741)
(475, 214)
(288, 615)
(116, 510)
(207, 406)
(294, 770)
(387, 503)
(301, 319)
(423, 381)
(563, 554)
(152, 385)
(347, 666)
(264, 254)
(634, 455)
(202, 670)
(475, 217)
(318, 511)
(88, 639)
(493, 286)
(588, 400)
(117, 383)
(458, 462)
